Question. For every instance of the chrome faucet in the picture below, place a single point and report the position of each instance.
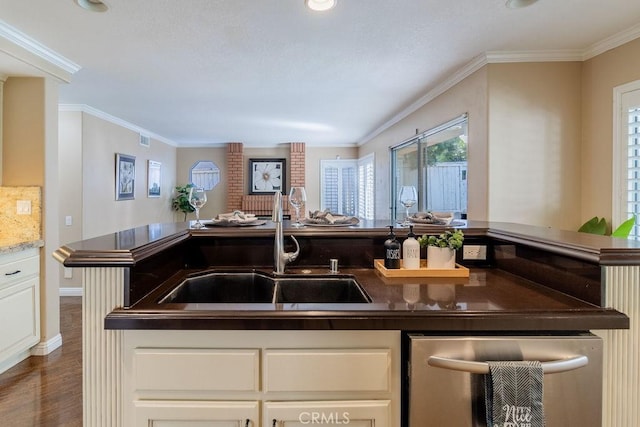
(280, 257)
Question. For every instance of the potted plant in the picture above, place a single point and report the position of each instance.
(441, 249)
(180, 203)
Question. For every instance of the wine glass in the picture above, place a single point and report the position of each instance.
(297, 198)
(408, 198)
(197, 199)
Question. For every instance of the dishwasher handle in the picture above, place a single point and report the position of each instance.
(552, 367)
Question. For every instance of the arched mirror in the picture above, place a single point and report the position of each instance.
(204, 174)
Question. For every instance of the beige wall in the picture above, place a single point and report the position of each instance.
(102, 213)
(216, 199)
(186, 158)
(599, 76)
(70, 175)
(24, 130)
(30, 157)
(534, 143)
(468, 96)
(524, 142)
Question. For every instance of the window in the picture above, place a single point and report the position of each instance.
(435, 162)
(366, 192)
(626, 180)
(204, 174)
(347, 186)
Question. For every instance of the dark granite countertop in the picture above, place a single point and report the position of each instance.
(125, 248)
(489, 300)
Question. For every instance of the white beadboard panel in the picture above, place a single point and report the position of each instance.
(621, 367)
(103, 289)
(327, 370)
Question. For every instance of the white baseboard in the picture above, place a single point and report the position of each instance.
(13, 360)
(46, 347)
(70, 292)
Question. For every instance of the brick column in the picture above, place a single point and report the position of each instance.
(235, 174)
(298, 164)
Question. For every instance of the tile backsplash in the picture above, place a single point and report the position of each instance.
(15, 228)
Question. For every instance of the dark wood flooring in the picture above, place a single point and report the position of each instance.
(47, 390)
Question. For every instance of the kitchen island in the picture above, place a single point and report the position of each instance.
(534, 281)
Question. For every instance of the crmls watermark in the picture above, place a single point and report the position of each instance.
(324, 418)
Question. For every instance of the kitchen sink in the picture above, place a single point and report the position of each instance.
(260, 287)
(320, 289)
(245, 287)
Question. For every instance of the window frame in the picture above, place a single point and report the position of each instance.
(356, 164)
(420, 141)
(620, 148)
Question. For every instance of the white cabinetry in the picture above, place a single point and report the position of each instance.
(19, 305)
(261, 378)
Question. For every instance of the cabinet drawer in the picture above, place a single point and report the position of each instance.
(159, 413)
(327, 370)
(162, 369)
(16, 267)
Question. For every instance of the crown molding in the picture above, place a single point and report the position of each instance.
(27, 50)
(462, 73)
(566, 55)
(612, 42)
(496, 57)
(83, 108)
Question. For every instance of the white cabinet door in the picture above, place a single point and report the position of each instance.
(167, 413)
(19, 306)
(352, 413)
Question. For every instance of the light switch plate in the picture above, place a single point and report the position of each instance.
(23, 207)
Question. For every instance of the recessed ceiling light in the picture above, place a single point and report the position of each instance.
(320, 5)
(517, 4)
(92, 5)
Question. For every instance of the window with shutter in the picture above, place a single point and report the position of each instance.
(347, 186)
(627, 156)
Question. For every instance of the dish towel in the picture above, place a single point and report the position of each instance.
(513, 393)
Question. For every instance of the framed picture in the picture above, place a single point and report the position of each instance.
(125, 177)
(266, 176)
(153, 178)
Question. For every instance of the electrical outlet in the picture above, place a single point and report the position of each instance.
(68, 273)
(68, 220)
(23, 207)
(474, 252)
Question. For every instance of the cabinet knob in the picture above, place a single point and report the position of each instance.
(275, 422)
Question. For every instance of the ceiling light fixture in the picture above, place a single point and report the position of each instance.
(92, 5)
(517, 4)
(320, 5)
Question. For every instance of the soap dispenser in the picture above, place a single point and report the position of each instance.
(411, 251)
(392, 251)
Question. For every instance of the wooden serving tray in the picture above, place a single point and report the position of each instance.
(423, 271)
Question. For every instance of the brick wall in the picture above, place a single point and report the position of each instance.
(237, 185)
(235, 172)
(298, 164)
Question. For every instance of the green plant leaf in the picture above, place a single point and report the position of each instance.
(594, 226)
(625, 228)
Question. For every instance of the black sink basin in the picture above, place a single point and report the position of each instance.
(249, 287)
(320, 289)
(258, 287)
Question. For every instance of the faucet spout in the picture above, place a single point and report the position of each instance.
(280, 257)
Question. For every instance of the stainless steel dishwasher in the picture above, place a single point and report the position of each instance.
(445, 377)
